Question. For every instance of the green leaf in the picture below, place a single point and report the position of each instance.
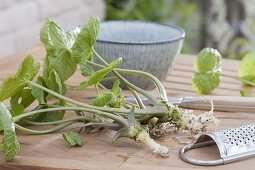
(82, 48)
(204, 83)
(116, 87)
(208, 59)
(58, 44)
(10, 87)
(20, 101)
(245, 93)
(98, 75)
(26, 97)
(72, 35)
(16, 107)
(56, 115)
(208, 68)
(86, 69)
(102, 99)
(73, 138)
(54, 38)
(247, 67)
(28, 68)
(61, 62)
(13, 85)
(10, 144)
(49, 116)
(54, 83)
(116, 100)
(40, 94)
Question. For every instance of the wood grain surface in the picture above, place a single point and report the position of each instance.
(50, 152)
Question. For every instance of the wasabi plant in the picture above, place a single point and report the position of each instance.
(208, 71)
(65, 53)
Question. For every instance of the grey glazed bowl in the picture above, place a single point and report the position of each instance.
(145, 46)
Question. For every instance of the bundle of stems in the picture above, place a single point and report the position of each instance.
(108, 110)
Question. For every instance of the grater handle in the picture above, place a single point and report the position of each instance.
(221, 103)
(188, 159)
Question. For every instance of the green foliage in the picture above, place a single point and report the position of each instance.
(61, 62)
(73, 138)
(54, 82)
(245, 93)
(16, 107)
(27, 97)
(116, 88)
(28, 68)
(20, 101)
(49, 116)
(111, 99)
(98, 75)
(12, 85)
(86, 69)
(208, 68)
(183, 13)
(10, 144)
(138, 10)
(82, 48)
(207, 60)
(116, 99)
(54, 38)
(39, 94)
(102, 99)
(58, 44)
(247, 67)
(204, 83)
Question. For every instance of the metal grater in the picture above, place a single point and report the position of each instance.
(234, 144)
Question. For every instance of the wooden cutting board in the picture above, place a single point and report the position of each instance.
(50, 152)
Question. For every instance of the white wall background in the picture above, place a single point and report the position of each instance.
(20, 20)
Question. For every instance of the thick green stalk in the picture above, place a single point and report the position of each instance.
(130, 85)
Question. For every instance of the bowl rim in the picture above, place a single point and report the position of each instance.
(177, 38)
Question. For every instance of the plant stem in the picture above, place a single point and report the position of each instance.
(119, 119)
(97, 90)
(131, 104)
(130, 85)
(138, 99)
(158, 84)
(157, 110)
(239, 79)
(37, 132)
(78, 118)
(102, 86)
(70, 85)
(106, 78)
(112, 126)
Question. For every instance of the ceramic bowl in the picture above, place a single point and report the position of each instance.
(145, 46)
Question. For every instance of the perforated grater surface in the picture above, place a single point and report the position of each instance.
(233, 144)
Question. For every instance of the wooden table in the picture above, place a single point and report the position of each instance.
(51, 152)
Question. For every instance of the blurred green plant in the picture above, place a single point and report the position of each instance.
(174, 11)
(137, 10)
